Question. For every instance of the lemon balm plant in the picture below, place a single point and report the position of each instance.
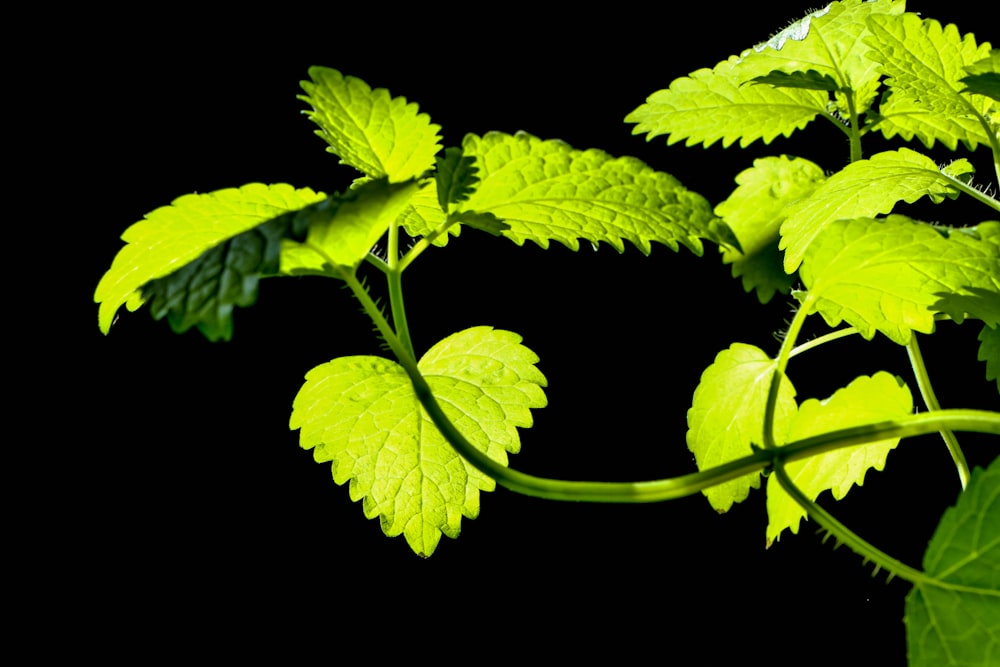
(419, 433)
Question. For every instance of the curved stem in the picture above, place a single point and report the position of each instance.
(930, 400)
(845, 535)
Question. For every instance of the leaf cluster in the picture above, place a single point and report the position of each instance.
(419, 436)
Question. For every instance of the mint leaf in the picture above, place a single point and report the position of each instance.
(989, 351)
(881, 397)
(369, 130)
(171, 237)
(361, 414)
(755, 211)
(822, 52)
(727, 416)
(984, 76)
(830, 50)
(890, 275)
(953, 617)
(710, 105)
(925, 65)
(865, 188)
(345, 228)
(547, 191)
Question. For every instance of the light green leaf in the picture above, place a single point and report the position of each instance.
(925, 65)
(984, 76)
(713, 104)
(989, 352)
(424, 216)
(755, 211)
(891, 275)
(548, 191)
(727, 416)
(862, 189)
(171, 237)
(825, 47)
(361, 414)
(346, 229)
(953, 617)
(881, 397)
(368, 129)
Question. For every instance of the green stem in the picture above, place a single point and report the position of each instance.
(981, 197)
(930, 400)
(394, 279)
(845, 535)
(781, 363)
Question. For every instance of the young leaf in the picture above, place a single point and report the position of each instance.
(713, 104)
(755, 211)
(989, 352)
(953, 617)
(821, 52)
(890, 275)
(826, 50)
(362, 414)
(984, 76)
(547, 191)
(925, 65)
(866, 188)
(173, 236)
(727, 416)
(881, 397)
(369, 130)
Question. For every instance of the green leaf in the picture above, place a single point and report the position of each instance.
(984, 76)
(881, 397)
(368, 129)
(989, 352)
(823, 51)
(548, 191)
(953, 617)
(361, 414)
(173, 236)
(925, 65)
(713, 104)
(862, 189)
(727, 416)
(755, 211)
(346, 228)
(891, 275)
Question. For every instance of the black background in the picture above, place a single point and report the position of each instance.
(176, 508)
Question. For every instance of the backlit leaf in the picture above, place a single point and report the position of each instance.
(379, 135)
(984, 76)
(925, 65)
(171, 237)
(727, 416)
(881, 397)
(863, 189)
(547, 191)
(890, 275)
(362, 415)
(755, 211)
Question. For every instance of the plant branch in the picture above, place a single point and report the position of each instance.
(930, 400)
